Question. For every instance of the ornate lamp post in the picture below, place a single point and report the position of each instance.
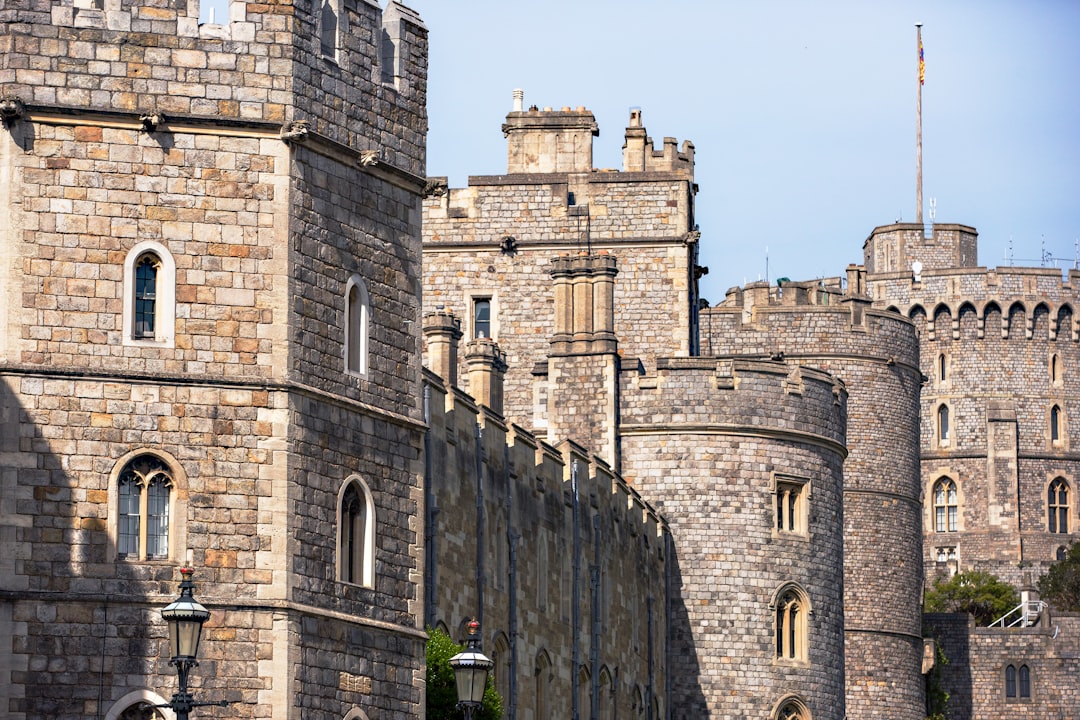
(471, 669)
(185, 617)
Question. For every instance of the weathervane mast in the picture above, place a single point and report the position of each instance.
(918, 128)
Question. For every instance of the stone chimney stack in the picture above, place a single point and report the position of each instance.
(634, 146)
(486, 365)
(584, 304)
(442, 331)
(549, 141)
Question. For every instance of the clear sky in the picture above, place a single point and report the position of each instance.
(802, 113)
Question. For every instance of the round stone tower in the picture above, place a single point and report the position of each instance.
(876, 355)
(744, 458)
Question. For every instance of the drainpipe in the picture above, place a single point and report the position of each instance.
(594, 580)
(480, 525)
(512, 539)
(430, 514)
(576, 607)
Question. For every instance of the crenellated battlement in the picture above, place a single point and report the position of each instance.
(1018, 295)
(739, 394)
(905, 246)
(640, 153)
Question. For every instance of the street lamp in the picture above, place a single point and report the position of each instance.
(185, 617)
(471, 668)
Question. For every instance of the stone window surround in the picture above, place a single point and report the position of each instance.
(341, 28)
(800, 653)
(790, 707)
(1054, 370)
(1017, 696)
(1070, 483)
(945, 475)
(943, 417)
(780, 483)
(165, 301)
(1062, 420)
(135, 697)
(471, 298)
(367, 561)
(177, 509)
(357, 328)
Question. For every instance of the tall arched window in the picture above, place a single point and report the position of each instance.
(584, 687)
(945, 506)
(357, 326)
(1056, 424)
(543, 677)
(328, 29)
(149, 310)
(144, 494)
(1057, 506)
(942, 368)
(1023, 677)
(146, 272)
(356, 534)
(607, 695)
(792, 608)
(943, 424)
(791, 708)
(1055, 369)
(1010, 681)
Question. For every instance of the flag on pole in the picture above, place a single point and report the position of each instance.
(922, 65)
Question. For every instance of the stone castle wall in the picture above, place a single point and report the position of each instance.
(999, 350)
(876, 355)
(570, 580)
(708, 440)
(976, 658)
(137, 128)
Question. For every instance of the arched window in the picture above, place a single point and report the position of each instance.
(1010, 681)
(357, 326)
(328, 29)
(791, 708)
(1055, 369)
(943, 424)
(149, 310)
(543, 676)
(138, 705)
(607, 695)
(1057, 506)
(144, 493)
(942, 367)
(146, 272)
(1056, 425)
(356, 534)
(1061, 553)
(584, 694)
(1023, 676)
(945, 506)
(500, 656)
(792, 608)
(1017, 682)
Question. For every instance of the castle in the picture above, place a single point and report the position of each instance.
(222, 267)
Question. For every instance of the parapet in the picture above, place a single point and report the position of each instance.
(739, 396)
(897, 247)
(641, 155)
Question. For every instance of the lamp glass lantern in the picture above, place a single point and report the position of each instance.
(471, 668)
(185, 617)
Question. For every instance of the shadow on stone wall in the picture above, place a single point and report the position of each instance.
(683, 670)
(953, 676)
(76, 637)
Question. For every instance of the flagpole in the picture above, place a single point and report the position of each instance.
(918, 129)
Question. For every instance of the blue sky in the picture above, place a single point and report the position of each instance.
(802, 113)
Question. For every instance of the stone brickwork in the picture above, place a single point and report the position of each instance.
(999, 350)
(497, 238)
(265, 178)
(976, 660)
(711, 464)
(875, 353)
(570, 580)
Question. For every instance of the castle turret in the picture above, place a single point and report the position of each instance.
(549, 141)
(897, 248)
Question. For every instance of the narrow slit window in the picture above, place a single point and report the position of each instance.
(1055, 424)
(943, 424)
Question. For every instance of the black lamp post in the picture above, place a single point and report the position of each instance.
(471, 669)
(185, 617)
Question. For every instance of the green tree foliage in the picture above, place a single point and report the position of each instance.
(441, 690)
(978, 593)
(1060, 586)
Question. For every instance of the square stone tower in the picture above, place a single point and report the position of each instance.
(209, 355)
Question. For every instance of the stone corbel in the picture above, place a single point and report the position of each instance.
(11, 109)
